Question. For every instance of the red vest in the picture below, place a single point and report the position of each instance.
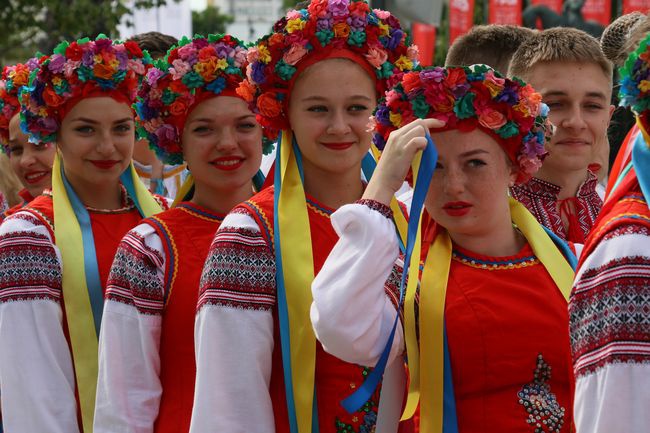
(335, 379)
(186, 233)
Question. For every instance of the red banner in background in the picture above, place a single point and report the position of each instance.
(505, 12)
(635, 5)
(554, 5)
(461, 14)
(424, 36)
(598, 10)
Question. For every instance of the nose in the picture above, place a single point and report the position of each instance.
(227, 140)
(339, 124)
(453, 181)
(106, 144)
(574, 119)
(27, 158)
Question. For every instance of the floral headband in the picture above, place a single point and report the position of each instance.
(76, 70)
(327, 28)
(467, 98)
(635, 79)
(12, 80)
(194, 70)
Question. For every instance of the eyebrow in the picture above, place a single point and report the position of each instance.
(553, 93)
(211, 119)
(474, 152)
(323, 98)
(95, 122)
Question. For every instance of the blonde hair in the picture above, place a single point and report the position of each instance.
(9, 183)
(559, 44)
(492, 45)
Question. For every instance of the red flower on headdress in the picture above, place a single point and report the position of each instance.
(411, 81)
(269, 105)
(133, 49)
(51, 98)
(74, 51)
(178, 107)
(454, 77)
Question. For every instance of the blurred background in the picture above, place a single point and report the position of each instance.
(29, 26)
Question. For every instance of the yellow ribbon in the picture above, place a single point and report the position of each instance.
(432, 304)
(188, 183)
(83, 338)
(298, 263)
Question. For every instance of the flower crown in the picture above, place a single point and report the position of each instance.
(76, 70)
(192, 71)
(12, 80)
(467, 98)
(373, 35)
(635, 79)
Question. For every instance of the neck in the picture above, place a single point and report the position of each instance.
(333, 189)
(501, 241)
(569, 181)
(220, 201)
(98, 196)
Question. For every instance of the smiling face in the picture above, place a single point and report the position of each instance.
(329, 108)
(222, 144)
(31, 163)
(468, 191)
(578, 95)
(96, 141)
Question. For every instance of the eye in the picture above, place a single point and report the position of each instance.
(594, 106)
(201, 129)
(16, 150)
(123, 127)
(554, 104)
(476, 163)
(358, 107)
(85, 129)
(247, 126)
(317, 109)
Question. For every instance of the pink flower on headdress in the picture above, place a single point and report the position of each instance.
(252, 55)
(339, 8)
(391, 97)
(494, 83)
(372, 124)
(166, 132)
(381, 14)
(529, 165)
(187, 52)
(293, 15)
(152, 124)
(179, 69)
(136, 65)
(57, 62)
(240, 56)
(70, 67)
(376, 57)
(492, 119)
(153, 75)
(295, 53)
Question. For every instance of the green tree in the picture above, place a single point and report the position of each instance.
(210, 20)
(39, 25)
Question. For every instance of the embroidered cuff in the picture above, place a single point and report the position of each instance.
(377, 206)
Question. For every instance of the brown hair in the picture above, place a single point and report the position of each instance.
(491, 45)
(617, 35)
(558, 44)
(9, 183)
(155, 42)
(635, 36)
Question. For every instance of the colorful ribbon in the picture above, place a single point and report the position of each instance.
(641, 161)
(298, 342)
(186, 191)
(82, 287)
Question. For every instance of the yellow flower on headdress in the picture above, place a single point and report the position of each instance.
(222, 64)
(295, 25)
(644, 85)
(493, 87)
(206, 69)
(520, 107)
(384, 29)
(264, 54)
(114, 64)
(395, 119)
(97, 58)
(404, 63)
(57, 81)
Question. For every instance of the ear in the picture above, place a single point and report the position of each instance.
(611, 111)
(514, 174)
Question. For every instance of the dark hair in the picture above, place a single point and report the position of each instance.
(155, 42)
(491, 45)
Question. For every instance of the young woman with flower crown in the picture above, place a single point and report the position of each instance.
(490, 320)
(56, 252)
(31, 162)
(316, 77)
(190, 113)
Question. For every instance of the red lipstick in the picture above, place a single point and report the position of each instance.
(339, 146)
(105, 164)
(457, 208)
(34, 177)
(228, 163)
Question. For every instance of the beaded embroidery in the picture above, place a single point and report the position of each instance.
(545, 414)
(494, 265)
(365, 419)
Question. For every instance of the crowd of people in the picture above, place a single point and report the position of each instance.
(434, 249)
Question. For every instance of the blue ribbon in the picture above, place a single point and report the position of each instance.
(449, 418)
(641, 162)
(283, 311)
(93, 281)
(563, 247)
(427, 166)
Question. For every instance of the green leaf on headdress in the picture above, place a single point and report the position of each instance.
(214, 37)
(464, 107)
(184, 41)
(84, 73)
(168, 97)
(233, 70)
(420, 107)
(357, 39)
(83, 40)
(510, 129)
(192, 80)
(101, 36)
(324, 36)
(284, 71)
(60, 49)
(385, 71)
